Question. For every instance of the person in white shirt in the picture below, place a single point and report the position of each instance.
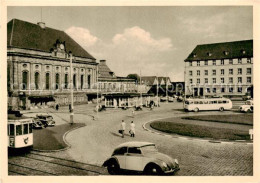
(132, 129)
(123, 128)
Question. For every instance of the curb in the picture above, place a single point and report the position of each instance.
(196, 139)
(65, 141)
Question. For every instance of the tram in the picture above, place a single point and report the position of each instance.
(20, 132)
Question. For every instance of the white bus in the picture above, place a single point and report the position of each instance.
(196, 105)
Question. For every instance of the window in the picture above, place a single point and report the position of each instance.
(222, 62)
(190, 73)
(220, 102)
(11, 129)
(190, 81)
(206, 72)
(25, 128)
(222, 71)
(239, 79)
(214, 72)
(57, 79)
(198, 81)
(248, 71)
(214, 62)
(190, 63)
(230, 80)
(206, 102)
(214, 90)
(81, 81)
(248, 60)
(222, 90)
(36, 80)
(239, 89)
(248, 80)
(206, 62)
(231, 71)
(231, 61)
(222, 80)
(208, 90)
(89, 81)
(19, 130)
(25, 80)
(225, 101)
(74, 81)
(30, 128)
(214, 80)
(239, 71)
(231, 90)
(198, 63)
(198, 73)
(47, 81)
(66, 81)
(134, 150)
(120, 151)
(239, 61)
(206, 80)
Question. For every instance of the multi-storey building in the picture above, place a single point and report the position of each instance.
(223, 69)
(38, 60)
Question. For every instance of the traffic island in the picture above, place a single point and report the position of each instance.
(53, 138)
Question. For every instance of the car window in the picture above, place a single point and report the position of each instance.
(120, 151)
(134, 150)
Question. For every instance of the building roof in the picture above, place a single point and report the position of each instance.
(226, 50)
(164, 79)
(27, 35)
(148, 80)
(105, 71)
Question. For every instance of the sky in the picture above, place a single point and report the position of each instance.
(147, 40)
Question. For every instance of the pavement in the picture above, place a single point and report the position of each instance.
(95, 142)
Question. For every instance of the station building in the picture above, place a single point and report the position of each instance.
(38, 70)
(222, 69)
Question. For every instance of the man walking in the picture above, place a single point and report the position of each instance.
(132, 129)
(123, 128)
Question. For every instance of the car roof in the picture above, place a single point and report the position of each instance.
(135, 144)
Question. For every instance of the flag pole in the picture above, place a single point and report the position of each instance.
(71, 90)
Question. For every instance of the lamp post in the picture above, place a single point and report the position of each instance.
(71, 91)
(97, 91)
(141, 89)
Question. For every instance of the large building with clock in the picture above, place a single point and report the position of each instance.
(38, 70)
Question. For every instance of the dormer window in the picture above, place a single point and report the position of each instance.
(226, 52)
(243, 51)
(209, 54)
(194, 55)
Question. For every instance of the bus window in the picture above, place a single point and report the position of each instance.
(210, 102)
(196, 102)
(220, 101)
(25, 128)
(11, 129)
(19, 130)
(30, 128)
(201, 102)
(186, 102)
(215, 102)
(206, 102)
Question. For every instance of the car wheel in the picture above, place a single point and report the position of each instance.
(113, 168)
(196, 109)
(221, 109)
(153, 170)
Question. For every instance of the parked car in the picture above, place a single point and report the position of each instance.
(180, 99)
(247, 107)
(163, 99)
(46, 119)
(170, 99)
(140, 157)
(37, 124)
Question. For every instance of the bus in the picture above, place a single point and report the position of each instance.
(196, 105)
(19, 131)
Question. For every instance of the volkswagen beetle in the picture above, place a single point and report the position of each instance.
(247, 107)
(141, 157)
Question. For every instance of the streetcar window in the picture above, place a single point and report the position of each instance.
(19, 130)
(25, 128)
(11, 129)
(30, 128)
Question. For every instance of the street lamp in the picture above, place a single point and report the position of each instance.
(71, 90)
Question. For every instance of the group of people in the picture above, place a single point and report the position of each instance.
(123, 128)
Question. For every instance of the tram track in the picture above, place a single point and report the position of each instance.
(40, 164)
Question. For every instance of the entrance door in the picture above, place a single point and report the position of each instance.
(201, 91)
(195, 92)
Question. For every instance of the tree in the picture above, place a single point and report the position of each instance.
(134, 76)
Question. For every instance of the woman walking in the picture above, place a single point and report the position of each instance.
(132, 129)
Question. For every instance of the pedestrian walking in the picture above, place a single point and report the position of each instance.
(123, 128)
(57, 107)
(132, 129)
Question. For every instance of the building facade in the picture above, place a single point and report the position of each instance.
(39, 71)
(222, 69)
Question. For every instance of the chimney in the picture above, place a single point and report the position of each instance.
(41, 24)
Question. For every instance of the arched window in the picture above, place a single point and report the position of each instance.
(57, 79)
(74, 81)
(66, 81)
(47, 80)
(81, 81)
(25, 80)
(36, 80)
